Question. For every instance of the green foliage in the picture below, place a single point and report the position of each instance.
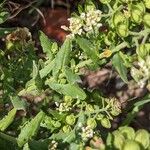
(69, 115)
(30, 129)
(7, 120)
(120, 139)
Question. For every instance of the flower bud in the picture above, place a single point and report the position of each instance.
(105, 123)
(92, 123)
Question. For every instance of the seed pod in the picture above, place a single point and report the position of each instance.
(118, 140)
(147, 3)
(122, 30)
(105, 123)
(118, 17)
(89, 108)
(127, 132)
(136, 15)
(70, 119)
(143, 50)
(66, 129)
(131, 145)
(146, 20)
(92, 123)
(143, 137)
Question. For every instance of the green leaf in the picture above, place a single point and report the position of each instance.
(137, 107)
(6, 145)
(71, 77)
(39, 145)
(30, 129)
(87, 47)
(62, 57)
(7, 120)
(119, 66)
(70, 137)
(66, 137)
(18, 103)
(68, 89)
(46, 45)
(35, 70)
(74, 146)
(47, 69)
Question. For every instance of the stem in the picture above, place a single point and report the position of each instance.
(8, 138)
(120, 46)
(145, 38)
(142, 33)
(95, 111)
(110, 14)
(110, 8)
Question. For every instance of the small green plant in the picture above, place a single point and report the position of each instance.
(68, 114)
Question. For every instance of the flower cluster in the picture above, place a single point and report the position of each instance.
(86, 133)
(63, 107)
(86, 22)
(142, 74)
(91, 19)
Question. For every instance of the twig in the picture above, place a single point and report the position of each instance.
(19, 10)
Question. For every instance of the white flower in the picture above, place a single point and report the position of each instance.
(86, 22)
(142, 74)
(63, 107)
(82, 15)
(86, 133)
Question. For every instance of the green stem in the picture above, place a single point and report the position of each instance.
(145, 38)
(142, 33)
(120, 46)
(110, 14)
(95, 111)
